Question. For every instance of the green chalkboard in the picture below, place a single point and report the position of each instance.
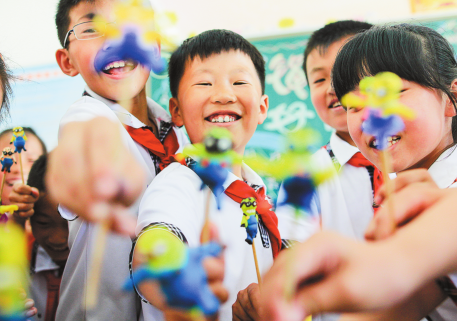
(286, 86)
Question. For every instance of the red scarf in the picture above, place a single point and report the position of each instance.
(358, 160)
(146, 138)
(239, 190)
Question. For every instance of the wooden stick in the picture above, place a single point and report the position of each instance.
(20, 164)
(386, 168)
(259, 278)
(3, 184)
(206, 230)
(96, 263)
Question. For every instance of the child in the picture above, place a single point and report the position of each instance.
(344, 203)
(50, 250)
(368, 276)
(100, 167)
(217, 79)
(429, 83)
(35, 148)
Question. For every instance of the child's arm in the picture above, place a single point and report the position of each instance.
(93, 174)
(24, 197)
(338, 274)
(415, 308)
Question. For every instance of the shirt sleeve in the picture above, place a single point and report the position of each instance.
(174, 198)
(85, 109)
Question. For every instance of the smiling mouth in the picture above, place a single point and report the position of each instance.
(391, 140)
(222, 118)
(335, 104)
(119, 67)
(58, 248)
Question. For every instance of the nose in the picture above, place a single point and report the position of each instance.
(330, 89)
(59, 237)
(223, 94)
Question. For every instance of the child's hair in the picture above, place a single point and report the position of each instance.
(415, 53)
(27, 130)
(206, 44)
(6, 76)
(330, 33)
(63, 16)
(37, 172)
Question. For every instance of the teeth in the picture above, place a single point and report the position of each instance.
(223, 119)
(117, 64)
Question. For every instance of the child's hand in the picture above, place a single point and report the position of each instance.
(332, 273)
(29, 305)
(93, 174)
(405, 179)
(24, 197)
(410, 200)
(247, 306)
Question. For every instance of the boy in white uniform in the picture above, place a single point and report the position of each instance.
(98, 168)
(217, 79)
(344, 203)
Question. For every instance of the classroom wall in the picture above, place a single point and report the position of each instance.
(28, 40)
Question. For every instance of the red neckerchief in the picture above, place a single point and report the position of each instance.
(146, 138)
(239, 190)
(358, 160)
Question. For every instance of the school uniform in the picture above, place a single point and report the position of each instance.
(44, 284)
(113, 303)
(444, 173)
(175, 200)
(344, 203)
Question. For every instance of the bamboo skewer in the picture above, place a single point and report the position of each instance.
(93, 281)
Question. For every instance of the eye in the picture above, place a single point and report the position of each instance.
(41, 223)
(319, 80)
(203, 84)
(238, 83)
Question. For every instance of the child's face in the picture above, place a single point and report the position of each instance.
(319, 69)
(34, 150)
(115, 84)
(222, 90)
(50, 229)
(422, 140)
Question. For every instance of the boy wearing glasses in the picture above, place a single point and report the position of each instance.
(102, 164)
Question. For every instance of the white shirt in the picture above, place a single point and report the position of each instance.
(175, 197)
(38, 283)
(343, 203)
(114, 304)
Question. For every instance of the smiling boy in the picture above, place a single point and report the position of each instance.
(344, 203)
(217, 79)
(101, 165)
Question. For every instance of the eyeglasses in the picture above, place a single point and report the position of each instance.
(86, 31)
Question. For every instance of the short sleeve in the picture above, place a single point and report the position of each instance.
(174, 197)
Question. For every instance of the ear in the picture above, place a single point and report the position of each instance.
(450, 110)
(65, 63)
(175, 112)
(264, 104)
